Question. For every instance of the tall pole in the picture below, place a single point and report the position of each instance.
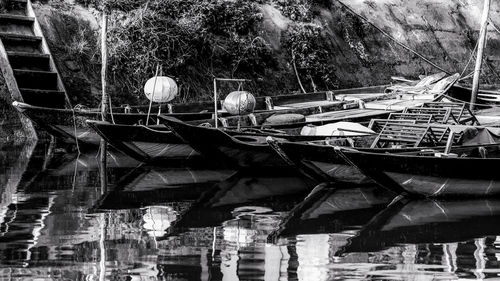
(104, 100)
(480, 50)
(104, 66)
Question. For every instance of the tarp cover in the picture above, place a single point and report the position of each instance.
(337, 129)
(479, 135)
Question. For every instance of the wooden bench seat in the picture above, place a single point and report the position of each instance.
(439, 115)
(405, 135)
(460, 113)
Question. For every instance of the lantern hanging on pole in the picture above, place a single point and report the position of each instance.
(239, 103)
(160, 89)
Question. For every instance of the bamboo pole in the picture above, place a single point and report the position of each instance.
(104, 67)
(480, 51)
(104, 100)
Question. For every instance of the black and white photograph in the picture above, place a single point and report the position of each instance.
(234, 140)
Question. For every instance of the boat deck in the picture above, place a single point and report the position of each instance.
(394, 104)
(346, 114)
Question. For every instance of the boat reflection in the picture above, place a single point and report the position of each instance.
(149, 185)
(199, 224)
(273, 190)
(428, 221)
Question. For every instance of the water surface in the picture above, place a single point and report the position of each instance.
(174, 223)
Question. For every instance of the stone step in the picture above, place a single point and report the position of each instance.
(16, 24)
(27, 61)
(15, 7)
(31, 79)
(21, 43)
(45, 98)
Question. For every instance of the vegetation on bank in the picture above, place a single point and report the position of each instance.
(197, 40)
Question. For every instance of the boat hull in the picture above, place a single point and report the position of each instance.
(430, 175)
(70, 125)
(151, 144)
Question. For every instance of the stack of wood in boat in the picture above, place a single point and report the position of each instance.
(401, 132)
(69, 124)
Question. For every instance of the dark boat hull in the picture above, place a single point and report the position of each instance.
(234, 148)
(150, 144)
(69, 125)
(430, 175)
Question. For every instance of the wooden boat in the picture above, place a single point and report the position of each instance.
(396, 135)
(158, 144)
(69, 125)
(427, 222)
(318, 159)
(246, 150)
(469, 171)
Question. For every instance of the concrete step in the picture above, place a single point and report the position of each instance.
(21, 43)
(16, 24)
(14, 7)
(45, 98)
(29, 61)
(31, 79)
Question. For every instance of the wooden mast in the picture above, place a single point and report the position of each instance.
(480, 50)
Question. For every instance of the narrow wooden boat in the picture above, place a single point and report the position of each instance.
(149, 144)
(69, 125)
(469, 171)
(427, 222)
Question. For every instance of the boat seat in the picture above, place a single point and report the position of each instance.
(403, 118)
(378, 124)
(419, 118)
(405, 135)
(460, 113)
(439, 115)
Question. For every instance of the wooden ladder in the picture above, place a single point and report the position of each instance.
(26, 63)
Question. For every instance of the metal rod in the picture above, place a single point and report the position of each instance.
(215, 103)
(480, 50)
(215, 94)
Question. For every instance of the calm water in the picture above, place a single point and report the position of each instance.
(152, 223)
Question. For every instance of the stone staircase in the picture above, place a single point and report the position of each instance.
(26, 63)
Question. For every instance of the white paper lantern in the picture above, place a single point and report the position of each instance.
(239, 103)
(165, 89)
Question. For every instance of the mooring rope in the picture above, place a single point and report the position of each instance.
(392, 38)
